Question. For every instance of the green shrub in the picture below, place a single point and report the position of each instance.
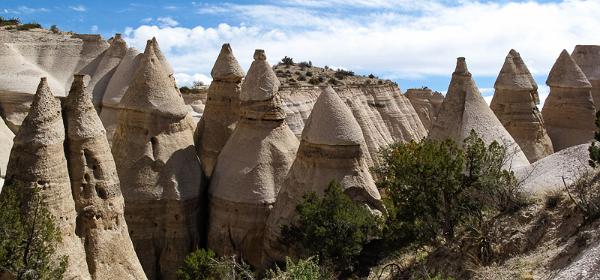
(341, 74)
(314, 81)
(28, 236)
(54, 29)
(305, 64)
(288, 61)
(28, 26)
(204, 264)
(304, 269)
(594, 150)
(333, 227)
(9, 22)
(433, 187)
(309, 73)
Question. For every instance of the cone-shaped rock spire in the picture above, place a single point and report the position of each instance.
(222, 109)
(569, 111)
(106, 68)
(464, 109)
(226, 67)
(251, 168)
(336, 154)
(38, 161)
(152, 143)
(588, 59)
(96, 191)
(514, 105)
(161, 57)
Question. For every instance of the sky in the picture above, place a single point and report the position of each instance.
(412, 42)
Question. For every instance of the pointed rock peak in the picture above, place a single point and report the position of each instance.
(461, 67)
(522, 68)
(226, 67)
(43, 124)
(331, 122)
(79, 96)
(566, 73)
(152, 89)
(588, 59)
(153, 44)
(261, 83)
(510, 78)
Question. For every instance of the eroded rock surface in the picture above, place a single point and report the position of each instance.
(160, 174)
(464, 109)
(569, 111)
(251, 167)
(96, 191)
(514, 103)
(37, 160)
(6, 138)
(426, 103)
(222, 109)
(330, 149)
(587, 58)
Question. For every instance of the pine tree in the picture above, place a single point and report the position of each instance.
(28, 236)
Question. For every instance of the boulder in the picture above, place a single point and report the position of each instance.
(250, 168)
(222, 109)
(587, 58)
(37, 161)
(569, 111)
(96, 191)
(330, 149)
(464, 109)
(514, 103)
(426, 103)
(160, 174)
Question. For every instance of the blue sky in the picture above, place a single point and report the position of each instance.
(412, 42)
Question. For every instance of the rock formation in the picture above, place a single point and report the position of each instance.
(37, 160)
(6, 138)
(160, 174)
(588, 59)
(251, 167)
(222, 109)
(427, 104)
(330, 149)
(569, 111)
(514, 103)
(109, 61)
(96, 191)
(464, 109)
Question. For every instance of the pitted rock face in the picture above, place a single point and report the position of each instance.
(96, 191)
(336, 155)
(226, 67)
(569, 112)
(250, 168)
(514, 104)
(464, 109)
(222, 109)
(38, 161)
(160, 174)
(588, 59)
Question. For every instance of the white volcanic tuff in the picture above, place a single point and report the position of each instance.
(6, 138)
(250, 168)
(96, 191)
(222, 109)
(383, 113)
(111, 58)
(426, 103)
(464, 109)
(588, 59)
(38, 160)
(514, 104)
(330, 150)
(153, 140)
(569, 111)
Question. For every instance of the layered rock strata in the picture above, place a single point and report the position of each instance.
(514, 103)
(222, 109)
(37, 161)
(251, 167)
(330, 149)
(587, 58)
(160, 174)
(464, 109)
(426, 103)
(569, 111)
(96, 191)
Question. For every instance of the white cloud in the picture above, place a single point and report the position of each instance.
(147, 20)
(26, 10)
(187, 80)
(166, 22)
(94, 29)
(390, 43)
(78, 8)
